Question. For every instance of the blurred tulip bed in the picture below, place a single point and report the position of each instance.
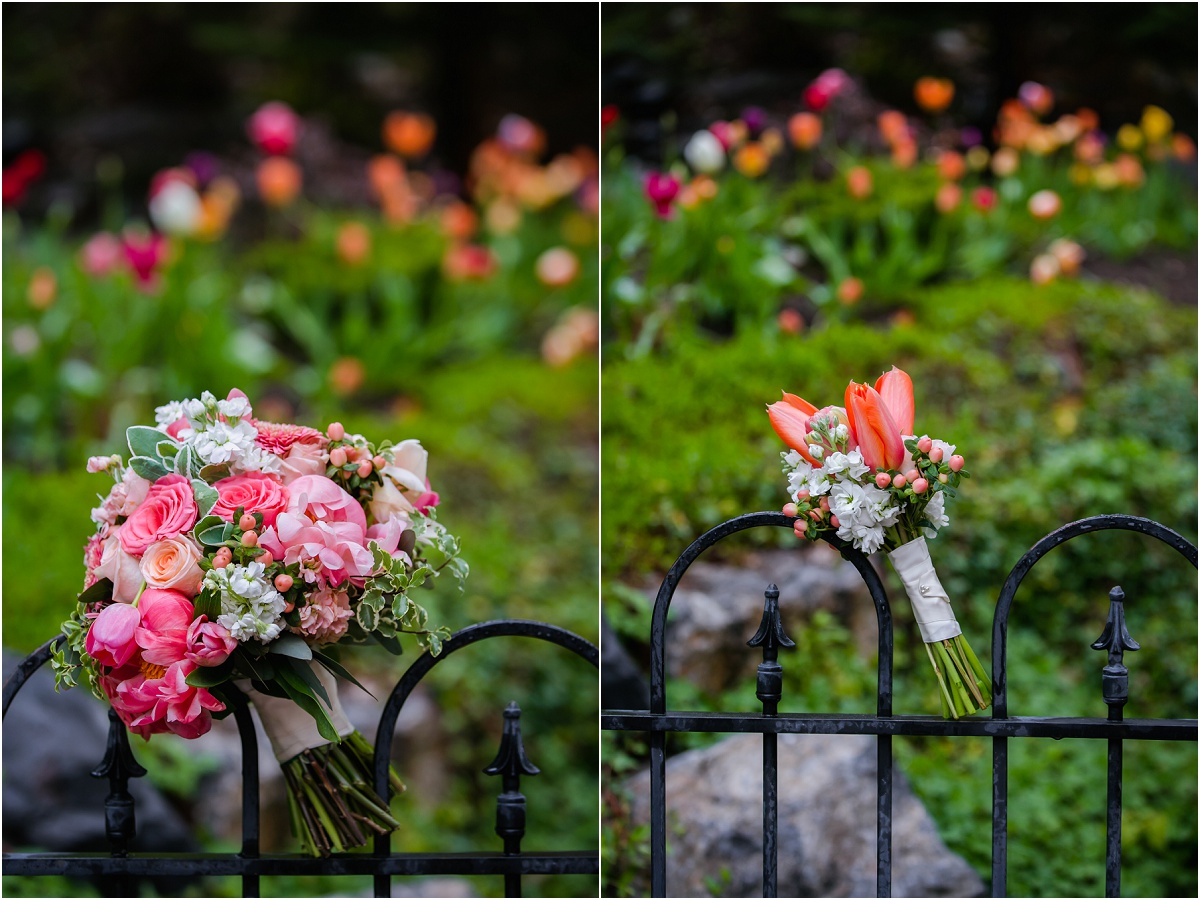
(797, 252)
(457, 309)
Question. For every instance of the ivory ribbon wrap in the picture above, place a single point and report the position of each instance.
(292, 730)
(930, 604)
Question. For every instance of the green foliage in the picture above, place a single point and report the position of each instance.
(1070, 400)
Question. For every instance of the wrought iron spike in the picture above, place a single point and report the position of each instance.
(770, 634)
(119, 764)
(511, 761)
(1116, 638)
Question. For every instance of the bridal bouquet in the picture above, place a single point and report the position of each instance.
(860, 470)
(231, 549)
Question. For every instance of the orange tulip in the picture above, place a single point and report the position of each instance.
(279, 181)
(896, 389)
(409, 134)
(933, 94)
(789, 418)
(804, 129)
(874, 430)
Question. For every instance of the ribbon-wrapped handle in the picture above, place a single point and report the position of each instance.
(931, 606)
(292, 730)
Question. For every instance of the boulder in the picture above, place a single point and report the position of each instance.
(827, 823)
(717, 608)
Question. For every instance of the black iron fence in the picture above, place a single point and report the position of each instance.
(124, 863)
(657, 722)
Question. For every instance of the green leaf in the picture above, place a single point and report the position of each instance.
(98, 592)
(150, 469)
(390, 644)
(367, 616)
(186, 462)
(212, 473)
(206, 497)
(303, 696)
(400, 606)
(259, 669)
(212, 537)
(166, 449)
(309, 677)
(339, 670)
(144, 441)
(205, 523)
(290, 645)
(208, 603)
(210, 676)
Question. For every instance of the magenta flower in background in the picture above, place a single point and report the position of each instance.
(825, 87)
(145, 253)
(203, 166)
(755, 118)
(274, 128)
(661, 190)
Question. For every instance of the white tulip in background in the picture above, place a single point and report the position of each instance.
(705, 153)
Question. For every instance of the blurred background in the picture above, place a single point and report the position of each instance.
(383, 214)
(1002, 202)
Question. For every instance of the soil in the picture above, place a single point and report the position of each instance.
(1171, 273)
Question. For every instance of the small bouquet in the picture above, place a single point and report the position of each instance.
(236, 550)
(862, 471)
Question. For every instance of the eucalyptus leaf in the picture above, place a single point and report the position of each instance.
(211, 473)
(144, 441)
(166, 449)
(206, 497)
(150, 469)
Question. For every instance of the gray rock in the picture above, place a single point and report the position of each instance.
(52, 742)
(622, 685)
(827, 823)
(717, 608)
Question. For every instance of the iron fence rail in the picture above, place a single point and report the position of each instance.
(511, 863)
(658, 722)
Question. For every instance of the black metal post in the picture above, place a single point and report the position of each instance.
(770, 636)
(511, 763)
(1116, 639)
(120, 823)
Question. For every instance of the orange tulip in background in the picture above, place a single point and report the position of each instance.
(859, 182)
(804, 129)
(933, 94)
(353, 243)
(409, 134)
(279, 181)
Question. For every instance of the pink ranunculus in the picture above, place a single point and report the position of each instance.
(209, 643)
(322, 500)
(162, 634)
(168, 510)
(255, 492)
(110, 640)
(173, 564)
(279, 438)
(325, 616)
(119, 567)
(339, 548)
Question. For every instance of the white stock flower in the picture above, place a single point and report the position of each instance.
(935, 512)
(168, 414)
(221, 442)
(234, 408)
(251, 608)
(817, 482)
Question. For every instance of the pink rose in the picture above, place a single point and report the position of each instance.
(110, 640)
(168, 510)
(209, 643)
(173, 563)
(119, 567)
(162, 634)
(256, 492)
(321, 500)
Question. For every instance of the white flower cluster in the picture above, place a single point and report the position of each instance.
(250, 605)
(863, 509)
(219, 433)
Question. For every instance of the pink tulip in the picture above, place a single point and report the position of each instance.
(874, 430)
(110, 640)
(209, 643)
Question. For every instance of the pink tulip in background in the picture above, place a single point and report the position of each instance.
(274, 128)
